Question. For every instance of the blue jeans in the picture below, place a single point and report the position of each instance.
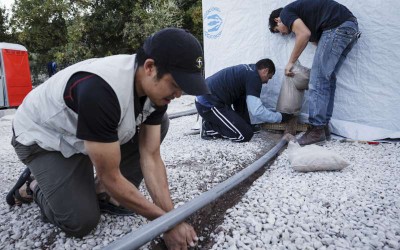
(333, 47)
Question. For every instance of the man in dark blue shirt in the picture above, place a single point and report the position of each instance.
(238, 86)
(334, 29)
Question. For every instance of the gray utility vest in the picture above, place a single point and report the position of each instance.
(44, 118)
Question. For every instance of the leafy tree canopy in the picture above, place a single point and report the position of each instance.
(69, 31)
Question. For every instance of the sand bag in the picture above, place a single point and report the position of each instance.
(291, 95)
(314, 158)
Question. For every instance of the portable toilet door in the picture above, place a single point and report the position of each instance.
(15, 75)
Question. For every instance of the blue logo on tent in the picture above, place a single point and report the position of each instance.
(213, 23)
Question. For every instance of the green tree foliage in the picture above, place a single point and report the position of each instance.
(95, 31)
(5, 35)
(115, 27)
(104, 26)
(3, 24)
(192, 16)
(77, 48)
(69, 31)
(149, 17)
(40, 24)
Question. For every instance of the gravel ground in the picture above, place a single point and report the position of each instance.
(357, 207)
(193, 166)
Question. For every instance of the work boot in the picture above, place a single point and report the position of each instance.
(314, 134)
(327, 132)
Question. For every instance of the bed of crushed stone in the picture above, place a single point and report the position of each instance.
(356, 208)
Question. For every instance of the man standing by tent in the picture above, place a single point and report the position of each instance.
(108, 113)
(238, 86)
(335, 30)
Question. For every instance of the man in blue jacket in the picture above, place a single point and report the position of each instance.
(238, 86)
(334, 29)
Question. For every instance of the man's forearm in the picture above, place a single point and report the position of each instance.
(259, 112)
(302, 36)
(129, 196)
(156, 182)
(106, 159)
(300, 45)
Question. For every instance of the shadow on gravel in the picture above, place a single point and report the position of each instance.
(206, 220)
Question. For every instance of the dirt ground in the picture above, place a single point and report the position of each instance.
(207, 219)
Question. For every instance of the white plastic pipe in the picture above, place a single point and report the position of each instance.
(182, 113)
(138, 238)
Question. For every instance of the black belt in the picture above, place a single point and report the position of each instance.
(352, 19)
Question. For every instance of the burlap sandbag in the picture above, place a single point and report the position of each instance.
(314, 158)
(291, 95)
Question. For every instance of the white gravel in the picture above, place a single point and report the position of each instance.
(355, 208)
(193, 166)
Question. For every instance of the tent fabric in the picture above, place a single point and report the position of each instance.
(367, 100)
(17, 75)
(12, 46)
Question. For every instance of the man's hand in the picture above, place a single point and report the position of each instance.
(288, 69)
(302, 37)
(180, 237)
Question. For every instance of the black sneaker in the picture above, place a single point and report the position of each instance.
(24, 179)
(107, 207)
(208, 135)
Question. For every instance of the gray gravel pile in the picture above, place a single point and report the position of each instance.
(356, 208)
(193, 166)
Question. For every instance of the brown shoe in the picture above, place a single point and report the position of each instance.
(313, 135)
(327, 132)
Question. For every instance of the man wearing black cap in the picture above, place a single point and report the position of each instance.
(108, 113)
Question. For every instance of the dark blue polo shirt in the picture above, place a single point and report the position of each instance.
(317, 15)
(231, 84)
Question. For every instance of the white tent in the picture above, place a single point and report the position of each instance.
(367, 101)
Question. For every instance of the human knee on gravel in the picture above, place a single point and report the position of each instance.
(235, 93)
(109, 113)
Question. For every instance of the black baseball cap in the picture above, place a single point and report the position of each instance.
(181, 54)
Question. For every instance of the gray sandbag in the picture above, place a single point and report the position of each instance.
(314, 158)
(291, 95)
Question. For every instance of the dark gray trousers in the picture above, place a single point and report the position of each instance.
(66, 191)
